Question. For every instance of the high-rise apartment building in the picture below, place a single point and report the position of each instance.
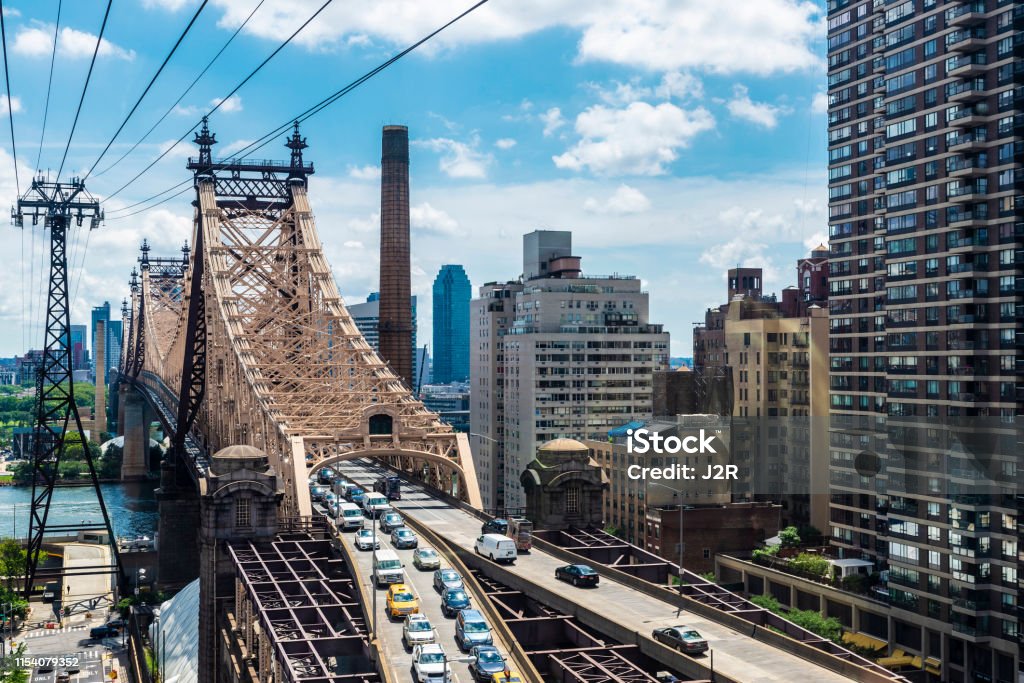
(926, 233)
(452, 293)
(775, 354)
(366, 316)
(559, 354)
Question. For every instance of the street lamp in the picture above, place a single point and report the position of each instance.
(140, 573)
(675, 492)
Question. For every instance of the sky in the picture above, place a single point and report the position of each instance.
(674, 138)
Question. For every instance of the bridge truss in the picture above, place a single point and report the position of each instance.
(253, 337)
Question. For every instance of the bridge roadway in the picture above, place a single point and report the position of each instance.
(736, 655)
(396, 656)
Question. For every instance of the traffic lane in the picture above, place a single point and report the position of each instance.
(85, 586)
(736, 654)
(390, 632)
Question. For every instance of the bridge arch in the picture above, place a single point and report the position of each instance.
(407, 460)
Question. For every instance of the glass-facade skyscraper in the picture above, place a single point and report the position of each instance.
(925, 102)
(452, 293)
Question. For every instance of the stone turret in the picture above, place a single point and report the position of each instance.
(564, 486)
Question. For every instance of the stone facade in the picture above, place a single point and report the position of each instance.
(564, 487)
(239, 500)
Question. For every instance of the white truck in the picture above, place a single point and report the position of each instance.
(375, 504)
(497, 547)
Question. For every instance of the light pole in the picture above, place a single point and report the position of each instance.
(675, 493)
(140, 573)
(373, 582)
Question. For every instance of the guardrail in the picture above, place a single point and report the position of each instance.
(365, 602)
(772, 630)
(455, 556)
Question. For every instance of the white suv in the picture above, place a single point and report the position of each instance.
(429, 665)
(417, 630)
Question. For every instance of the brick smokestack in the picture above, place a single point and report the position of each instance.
(395, 326)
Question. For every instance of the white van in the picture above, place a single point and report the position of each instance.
(497, 547)
(387, 568)
(375, 504)
(349, 516)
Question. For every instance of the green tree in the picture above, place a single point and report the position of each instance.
(789, 537)
(71, 469)
(12, 561)
(110, 464)
(10, 671)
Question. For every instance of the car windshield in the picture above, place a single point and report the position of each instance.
(489, 657)
(475, 627)
(586, 570)
(366, 533)
(428, 553)
(404, 597)
(450, 576)
(692, 635)
(431, 658)
(357, 491)
(390, 564)
(419, 625)
(455, 596)
(404, 532)
(353, 513)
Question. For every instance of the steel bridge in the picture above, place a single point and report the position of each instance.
(245, 339)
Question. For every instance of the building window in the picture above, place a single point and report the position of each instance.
(707, 553)
(243, 513)
(572, 499)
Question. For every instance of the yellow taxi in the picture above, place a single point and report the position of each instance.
(507, 676)
(401, 601)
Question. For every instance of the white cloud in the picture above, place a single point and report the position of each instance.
(14, 104)
(233, 147)
(759, 113)
(169, 5)
(33, 42)
(819, 105)
(726, 36)
(741, 251)
(552, 120)
(75, 44)
(677, 85)
(11, 12)
(368, 172)
(505, 143)
(352, 244)
(459, 159)
(625, 200)
(638, 140)
(231, 104)
(425, 218)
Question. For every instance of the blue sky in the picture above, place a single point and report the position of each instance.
(675, 138)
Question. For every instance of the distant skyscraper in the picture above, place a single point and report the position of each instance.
(366, 316)
(113, 334)
(452, 293)
(98, 313)
(79, 351)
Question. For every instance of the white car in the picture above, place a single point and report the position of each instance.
(429, 665)
(426, 559)
(417, 630)
(364, 540)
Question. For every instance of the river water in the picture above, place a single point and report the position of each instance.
(131, 506)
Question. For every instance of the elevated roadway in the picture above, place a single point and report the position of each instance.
(736, 654)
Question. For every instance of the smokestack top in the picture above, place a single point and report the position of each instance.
(395, 144)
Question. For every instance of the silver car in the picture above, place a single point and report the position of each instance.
(417, 630)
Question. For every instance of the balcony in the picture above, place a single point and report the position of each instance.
(965, 142)
(964, 168)
(966, 91)
(964, 219)
(964, 194)
(967, 118)
(963, 397)
(968, 65)
(965, 40)
(967, 14)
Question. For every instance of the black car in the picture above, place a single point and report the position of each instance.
(486, 662)
(577, 575)
(100, 632)
(683, 638)
(495, 526)
(453, 600)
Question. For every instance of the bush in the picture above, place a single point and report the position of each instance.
(709, 576)
(829, 628)
(767, 602)
(766, 553)
(857, 583)
(810, 564)
(789, 537)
